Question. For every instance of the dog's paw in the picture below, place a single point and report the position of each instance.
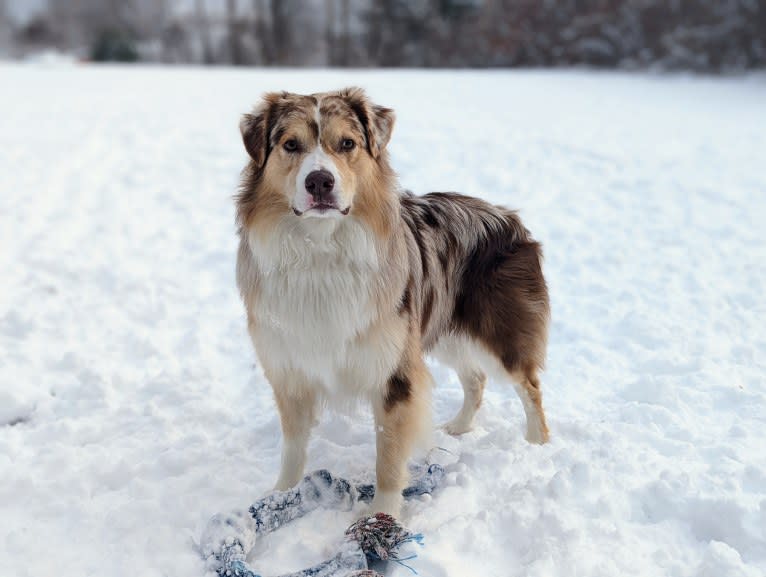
(388, 502)
(457, 426)
(537, 435)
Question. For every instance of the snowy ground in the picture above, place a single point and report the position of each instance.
(131, 408)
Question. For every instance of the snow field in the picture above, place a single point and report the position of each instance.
(132, 410)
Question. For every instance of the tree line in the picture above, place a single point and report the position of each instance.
(703, 35)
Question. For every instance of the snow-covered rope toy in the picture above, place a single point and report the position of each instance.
(227, 539)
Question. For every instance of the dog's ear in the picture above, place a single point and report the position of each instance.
(378, 121)
(253, 129)
(380, 128)
(256, 128)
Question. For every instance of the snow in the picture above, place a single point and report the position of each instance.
(132, 410)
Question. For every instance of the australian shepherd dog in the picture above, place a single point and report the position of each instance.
(348, 282)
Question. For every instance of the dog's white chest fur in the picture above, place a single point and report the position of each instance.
(316, 303)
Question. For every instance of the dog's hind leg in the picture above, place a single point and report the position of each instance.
(463, 356)
(527, 385)
(473, 380)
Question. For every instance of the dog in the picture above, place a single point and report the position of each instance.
(348, 282)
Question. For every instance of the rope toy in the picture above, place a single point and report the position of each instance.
(227, 539)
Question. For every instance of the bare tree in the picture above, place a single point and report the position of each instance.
(329, 34)
(263, 31)
(236, 55)
(203, 28)
(345, 49)
(281, 36)
(6, 30)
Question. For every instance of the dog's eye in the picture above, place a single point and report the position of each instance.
(290, 145)
(347, 144)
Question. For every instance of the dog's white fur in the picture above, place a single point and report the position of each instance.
(316, 299)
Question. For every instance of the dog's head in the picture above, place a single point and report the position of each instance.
(315, 156)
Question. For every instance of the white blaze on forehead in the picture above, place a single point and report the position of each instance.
(317, 159)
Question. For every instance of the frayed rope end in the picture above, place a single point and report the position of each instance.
(380, 537)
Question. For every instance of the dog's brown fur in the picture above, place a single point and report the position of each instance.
(451, 271)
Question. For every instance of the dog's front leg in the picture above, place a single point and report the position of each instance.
(401, 420)
(297, 412)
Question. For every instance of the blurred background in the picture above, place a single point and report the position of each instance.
(698, 35)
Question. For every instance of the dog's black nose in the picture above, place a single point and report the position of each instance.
(319, 183)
